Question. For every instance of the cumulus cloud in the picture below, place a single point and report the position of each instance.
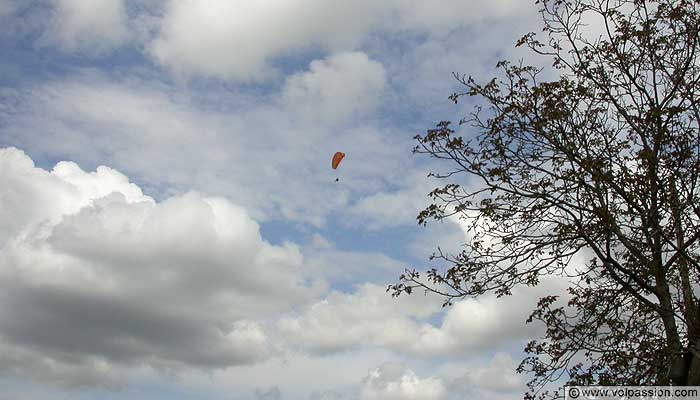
(93, 272)
(393, 381)
(237, 40)
(70, 374)
(478, 325)
(298, 376)
(370, 317)
(341, 86)
(32, 195)
(240, 41)
(497, 379)
(245, 41)
(89, 26)
(345, 321)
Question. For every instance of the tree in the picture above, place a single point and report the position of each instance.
(601, 161)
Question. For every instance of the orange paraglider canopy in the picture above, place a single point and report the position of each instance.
(337, 158)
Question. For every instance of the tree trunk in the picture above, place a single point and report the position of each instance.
(693, 376)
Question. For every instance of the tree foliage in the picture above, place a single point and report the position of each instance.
(600, 162)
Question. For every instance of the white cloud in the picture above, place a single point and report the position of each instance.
(342, 86)
(89, 26)
(237, 40)
(318, 242)
(370, 317)
(419, 15)
(92, 271)
(256, 153)
(477, 325)
(240, 40)
(493, 379)
(28, 190)
(393, 381)
(399, 207)
(498, 376)
(352, 267)
(297, 376)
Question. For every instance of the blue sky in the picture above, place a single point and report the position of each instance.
(170, 224)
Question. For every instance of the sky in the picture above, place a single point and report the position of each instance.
(170, 226)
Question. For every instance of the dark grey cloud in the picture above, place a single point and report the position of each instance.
(120, 280)
(64, 322)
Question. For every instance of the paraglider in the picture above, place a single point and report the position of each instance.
(337, 158)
